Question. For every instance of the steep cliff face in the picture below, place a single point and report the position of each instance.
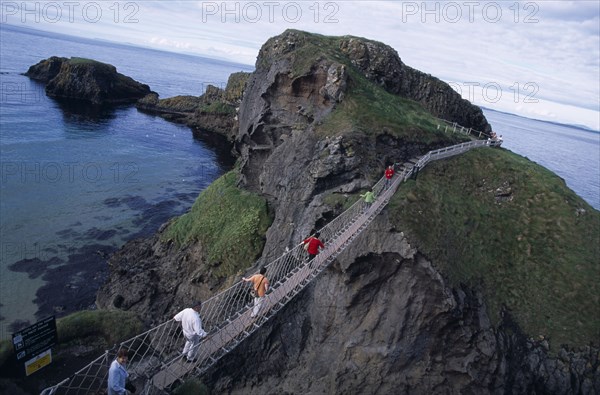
(382, 65)
(46, 69)
(382, 320)
(86, 80)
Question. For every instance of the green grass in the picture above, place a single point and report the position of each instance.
(76, 60)
(112, 325)
(372, 110)
(229, 222)
(341, 201)
(6, 351)
(217, 108)
(236, 83)
(536, 254)
(102, 327)
(180, 103)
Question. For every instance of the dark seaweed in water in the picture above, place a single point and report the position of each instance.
(71, 285)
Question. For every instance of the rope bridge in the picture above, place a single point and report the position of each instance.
(156, 365)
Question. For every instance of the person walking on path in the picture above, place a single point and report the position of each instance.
(260, 286)
(389, 173)
(192, 330)
(312, 245)
(369, 197)
(117, 374)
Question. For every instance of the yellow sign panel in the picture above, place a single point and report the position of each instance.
(35, 364)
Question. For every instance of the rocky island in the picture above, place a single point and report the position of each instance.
(86, 80)
(480, 276)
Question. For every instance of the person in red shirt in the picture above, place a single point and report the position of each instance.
(312, 245)
(389, 173)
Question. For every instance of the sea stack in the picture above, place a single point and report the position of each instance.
(86, 80)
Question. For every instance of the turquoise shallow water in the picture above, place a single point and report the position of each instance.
(77, 184)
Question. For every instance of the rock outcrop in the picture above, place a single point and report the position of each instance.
(86, 80)
(284, 157)
(381, 64)
(381, 319)
(153, 278)
(215, 111)
(46, 69)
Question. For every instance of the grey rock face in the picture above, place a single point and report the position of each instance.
(46, 69)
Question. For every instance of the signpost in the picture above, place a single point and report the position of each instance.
(36, 363)
(33, 344)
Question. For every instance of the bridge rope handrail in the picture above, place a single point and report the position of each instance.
(156, 361)
(454, 127)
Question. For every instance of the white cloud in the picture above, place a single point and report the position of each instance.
(552, 44)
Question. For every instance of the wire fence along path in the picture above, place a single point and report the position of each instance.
(156, 364)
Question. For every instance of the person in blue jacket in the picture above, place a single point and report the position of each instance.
(117, 374)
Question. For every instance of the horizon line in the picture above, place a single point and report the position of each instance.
(220, 59)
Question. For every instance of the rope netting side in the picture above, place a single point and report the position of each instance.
(291, 273)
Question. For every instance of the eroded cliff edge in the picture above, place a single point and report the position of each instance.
(319, 119)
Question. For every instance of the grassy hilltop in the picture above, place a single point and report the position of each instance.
(504, 225)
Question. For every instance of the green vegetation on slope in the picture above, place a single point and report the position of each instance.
(536, 254)
(236, 83)
(229, 222)
(341, 201)
(372, 110)
(113, 326)
(217, 108)
(75, 60)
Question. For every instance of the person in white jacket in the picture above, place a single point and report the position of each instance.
(192, 330)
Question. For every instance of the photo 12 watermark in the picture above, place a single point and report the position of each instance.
(22, 251)
(270, 11)
(493, 92)
(470, 11)
(20, 93)
(69, 12)
(23, 172)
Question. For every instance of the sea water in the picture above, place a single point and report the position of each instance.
(571, 152)
(77, 184)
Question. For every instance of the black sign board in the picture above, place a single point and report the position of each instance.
(35, 339)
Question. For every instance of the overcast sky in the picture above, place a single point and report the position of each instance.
(534, 58)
